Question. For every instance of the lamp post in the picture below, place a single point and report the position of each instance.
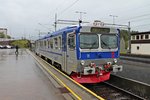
(129, 34)
(80, 14)
(113, 16)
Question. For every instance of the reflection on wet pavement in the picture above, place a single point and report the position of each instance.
(22, 79)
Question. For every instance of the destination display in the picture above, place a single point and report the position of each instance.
(100, 30)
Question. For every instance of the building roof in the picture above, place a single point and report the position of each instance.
(3, 28)
(148, 32)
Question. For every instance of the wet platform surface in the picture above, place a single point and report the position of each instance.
(22, 79)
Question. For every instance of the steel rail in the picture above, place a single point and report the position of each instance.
(125, 91)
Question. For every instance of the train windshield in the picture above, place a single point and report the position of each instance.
(108, 41)
(89, 41)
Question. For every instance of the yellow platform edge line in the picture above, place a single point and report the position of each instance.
(98, 97)
(79, 98)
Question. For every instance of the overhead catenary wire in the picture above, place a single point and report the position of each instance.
(135, 9)
(132, 19)
(141, 25)
(135, 17)
(61, 13)
(139, 20)
(58, 6)
(68, 7)
(140, 16)
(45, 27)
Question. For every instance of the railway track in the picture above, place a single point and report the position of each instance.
(139, 88)
(120, 88)
(106, 90)
(111, 92)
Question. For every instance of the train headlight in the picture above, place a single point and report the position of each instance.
(82, 62)
(115, 61)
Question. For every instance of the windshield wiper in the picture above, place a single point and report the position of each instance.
(106, 44)
(92, 45)
(89, 44)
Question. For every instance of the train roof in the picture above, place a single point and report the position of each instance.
(66, 29)
(71, 28)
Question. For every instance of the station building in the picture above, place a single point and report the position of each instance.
(140, 43)
(3, 30)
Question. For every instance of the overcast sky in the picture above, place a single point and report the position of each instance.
(25, 18)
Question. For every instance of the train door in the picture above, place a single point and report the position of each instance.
(64, 49)
(71, 52)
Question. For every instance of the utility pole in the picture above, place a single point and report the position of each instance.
(6, 33)
(80, 13)
(113, 16)
(55, 23)
(80, 19)
(129, 34)
(39, 34)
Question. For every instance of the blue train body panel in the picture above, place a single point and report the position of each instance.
(97, 55)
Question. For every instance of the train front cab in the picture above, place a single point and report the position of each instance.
(92, 55)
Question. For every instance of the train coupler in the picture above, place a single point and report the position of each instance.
(117, 68)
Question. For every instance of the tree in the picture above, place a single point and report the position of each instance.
(125, 36)
(2, 35)
(23, 43)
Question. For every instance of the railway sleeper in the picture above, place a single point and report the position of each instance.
(49, 61)
(57, 65)
(43, 57)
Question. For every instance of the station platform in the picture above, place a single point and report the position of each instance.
(22, 79)
(136, 70)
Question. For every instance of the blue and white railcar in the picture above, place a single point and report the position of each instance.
(87, 53)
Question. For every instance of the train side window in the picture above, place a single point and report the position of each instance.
(71, 41)
(44, 43)
(138, 47)
(141, 37)
(137, 37)
(146, 36)
(133, 37)
(48, 44)
(56, 43)
(60, 43)
(51, 43)
(38, 44)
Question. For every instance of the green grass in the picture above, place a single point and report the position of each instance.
(21, 43)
